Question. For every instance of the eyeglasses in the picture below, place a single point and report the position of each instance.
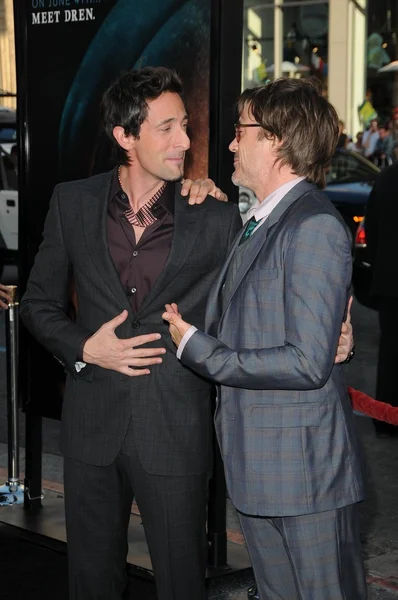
(238, 127)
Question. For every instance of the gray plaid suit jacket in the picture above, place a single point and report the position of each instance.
(284, 419)
(170, 408)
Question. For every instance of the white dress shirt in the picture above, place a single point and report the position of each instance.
(260, 211)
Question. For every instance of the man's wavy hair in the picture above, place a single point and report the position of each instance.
(294, 112)
(125, 102)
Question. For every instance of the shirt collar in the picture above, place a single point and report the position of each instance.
(116, 193)
(260, 210)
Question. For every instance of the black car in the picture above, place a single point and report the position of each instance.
(349, 181)
(362, 269)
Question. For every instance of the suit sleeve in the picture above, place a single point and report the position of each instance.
(45, 302)
(318, 269)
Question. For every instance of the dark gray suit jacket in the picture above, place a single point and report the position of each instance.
(170, 408)
(284, 419)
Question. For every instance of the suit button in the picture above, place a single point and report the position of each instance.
(136, 324)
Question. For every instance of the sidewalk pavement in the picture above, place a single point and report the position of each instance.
(379, 518)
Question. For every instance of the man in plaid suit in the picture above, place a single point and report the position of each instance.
(284, 419)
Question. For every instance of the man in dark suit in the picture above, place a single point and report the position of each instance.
(284, 419)
(133, 242)
(380, 226)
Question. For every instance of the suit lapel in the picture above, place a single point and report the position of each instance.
(94, 214)
(214, 301)
(188, 221)
(253, 247)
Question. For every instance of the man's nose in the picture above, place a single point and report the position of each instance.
(183, 140)
(233, 147)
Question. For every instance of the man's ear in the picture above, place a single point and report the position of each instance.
(276, 142)
(127, 142)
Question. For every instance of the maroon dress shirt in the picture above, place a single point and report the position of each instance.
(139, 265)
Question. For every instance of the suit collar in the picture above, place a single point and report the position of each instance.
(294, 194)
(94, 205)
(264, 208)
(116, 192)
(252, 250)
(188, 222)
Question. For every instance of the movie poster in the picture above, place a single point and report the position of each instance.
(68, 53)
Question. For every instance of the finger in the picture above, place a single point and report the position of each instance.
(116, 321)
(139, 372)
(175, 309)
(3, 304)
(3, 294)
(348, 319)
(200, 190)
(171, 318)
(195, 194)
(339, 356)
(142, 353)
(133, 372)
(344, 329)
(186, 186)
(172, 308)
(219, 195)
(140, 362)
(140, 340)
(176, 321)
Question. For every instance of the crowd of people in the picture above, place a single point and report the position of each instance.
(378, 142)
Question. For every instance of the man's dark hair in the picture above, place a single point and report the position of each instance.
(125, 102)
(294, 112)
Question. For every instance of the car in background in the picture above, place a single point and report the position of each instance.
(349, 180)
(362, 269)
(8, 211)
(8, 129)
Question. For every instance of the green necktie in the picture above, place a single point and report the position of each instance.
(250, 226)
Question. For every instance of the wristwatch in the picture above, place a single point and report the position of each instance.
(350, 356)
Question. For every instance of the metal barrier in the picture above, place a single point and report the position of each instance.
(12, 492)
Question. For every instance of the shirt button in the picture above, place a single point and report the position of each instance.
(136, 324)
(135, 253)
(133, 290)
(123, 196)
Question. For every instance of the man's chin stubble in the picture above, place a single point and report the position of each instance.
(235, 180)
(173, 179)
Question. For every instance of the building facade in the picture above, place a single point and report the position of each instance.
(8, 83)
(343, 43)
